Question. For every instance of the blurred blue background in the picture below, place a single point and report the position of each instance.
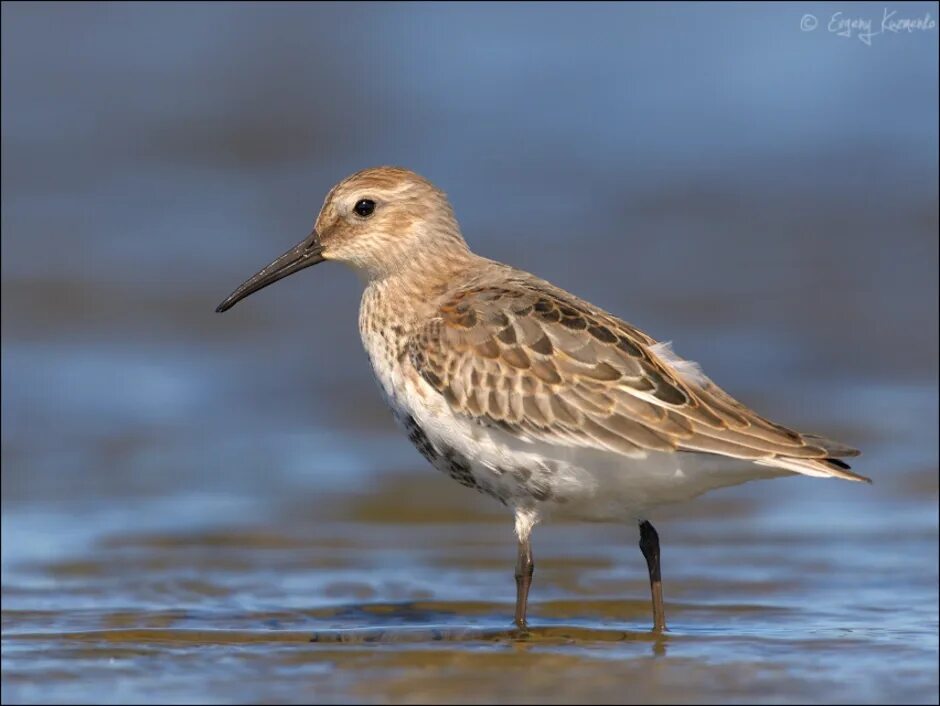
(764, 197)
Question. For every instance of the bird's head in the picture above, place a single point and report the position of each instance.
(378, 221)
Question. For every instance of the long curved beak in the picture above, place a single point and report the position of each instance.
(305, 254)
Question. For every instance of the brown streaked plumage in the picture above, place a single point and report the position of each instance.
(525, 392)
(512, 350)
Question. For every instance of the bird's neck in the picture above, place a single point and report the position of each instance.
(412, 291)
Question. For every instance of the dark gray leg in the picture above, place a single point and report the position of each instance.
(524, 568)
(649, 545)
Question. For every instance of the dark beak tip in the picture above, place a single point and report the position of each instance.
(305, 254)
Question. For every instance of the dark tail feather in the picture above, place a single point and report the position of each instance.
(843, 469)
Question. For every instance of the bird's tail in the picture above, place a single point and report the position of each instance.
(830, 467)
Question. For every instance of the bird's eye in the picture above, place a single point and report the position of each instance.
(364, 207)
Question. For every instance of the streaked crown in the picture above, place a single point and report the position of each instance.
(377, 219)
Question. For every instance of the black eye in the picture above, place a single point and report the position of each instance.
(364, 207)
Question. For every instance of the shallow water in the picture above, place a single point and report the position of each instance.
(401, 590)
(219, 509)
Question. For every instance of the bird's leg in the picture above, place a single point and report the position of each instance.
(524, 569)
(524, 564)
(649, 545)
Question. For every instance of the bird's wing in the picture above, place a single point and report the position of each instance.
(540, 363)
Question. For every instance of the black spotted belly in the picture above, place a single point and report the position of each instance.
(448, 460)
(524, 483)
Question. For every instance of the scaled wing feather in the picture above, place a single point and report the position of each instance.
(522, 355)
